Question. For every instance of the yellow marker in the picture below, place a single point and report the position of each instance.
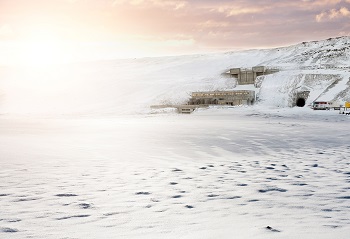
(347, 104)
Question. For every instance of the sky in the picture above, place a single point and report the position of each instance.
(53, 31)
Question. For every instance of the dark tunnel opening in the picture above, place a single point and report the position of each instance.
(301, 102)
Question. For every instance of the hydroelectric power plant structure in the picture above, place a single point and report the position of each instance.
(231, 97)
(248, 81)
(248, 76)
(236, 97)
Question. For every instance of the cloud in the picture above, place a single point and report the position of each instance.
(213, 24)
(235, 11)
(169, 3)
(321, 16)
(177, 43)
(321, 2)
(326, 2)
(131, 2)
(333, 14)
(216, 23)
(150, 3)
(205, 24)
(230, 8)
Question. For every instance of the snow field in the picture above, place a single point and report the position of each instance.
(216, 173)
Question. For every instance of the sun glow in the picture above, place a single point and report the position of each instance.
(41, 53)
(45, 46)
(43, 49)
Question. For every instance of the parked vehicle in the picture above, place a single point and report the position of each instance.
(321, 105)
(335, 105)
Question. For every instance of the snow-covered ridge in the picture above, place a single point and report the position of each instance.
(131, 86)
(330, 53)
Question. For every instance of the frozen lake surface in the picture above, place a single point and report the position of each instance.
(213, 174)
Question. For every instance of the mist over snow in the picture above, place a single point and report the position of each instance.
(131, 86)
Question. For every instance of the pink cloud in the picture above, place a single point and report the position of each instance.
(236, 10)
(149, 3)
(333, 14)
(205, 24)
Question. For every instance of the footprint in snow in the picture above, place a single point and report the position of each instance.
(142, 193)
(27, 199)
(177, 196)
(8, 230)
(253, 200)
(66, 195)
(75, 216)
(272, 189)
(272, 229)
(344, 197)
(177, 170)
(85, 205)
(212, 195)
(13, 220)
(233, 197)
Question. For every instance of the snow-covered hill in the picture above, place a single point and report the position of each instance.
(245, 172)
(131, 86)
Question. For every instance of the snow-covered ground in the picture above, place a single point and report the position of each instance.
(83, 156)
(218, 173)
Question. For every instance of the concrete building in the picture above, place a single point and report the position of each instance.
(248, 76)
(238, 97)
(233, 97)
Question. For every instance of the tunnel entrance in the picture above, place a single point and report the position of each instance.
(300, 102)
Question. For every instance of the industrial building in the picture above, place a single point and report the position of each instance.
(237, 97)
(232, 97)
(248, 76)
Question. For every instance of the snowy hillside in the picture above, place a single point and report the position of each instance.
(131, 86)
